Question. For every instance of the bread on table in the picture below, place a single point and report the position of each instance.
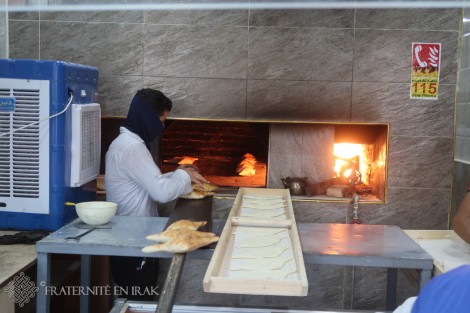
(180, 237)
(171, 234)
(194, 225)
(181, 245)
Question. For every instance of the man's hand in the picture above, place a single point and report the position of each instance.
(196, 178)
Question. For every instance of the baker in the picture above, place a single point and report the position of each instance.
(136, 184)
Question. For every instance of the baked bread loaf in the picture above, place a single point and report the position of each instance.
(170, 234)
(181, 245)
(180, 237)
(197, 194)
(194, 225)
(207, 187)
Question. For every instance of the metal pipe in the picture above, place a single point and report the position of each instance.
(355, 219)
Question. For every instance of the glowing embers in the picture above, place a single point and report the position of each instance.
(351, 162)
(247, 165)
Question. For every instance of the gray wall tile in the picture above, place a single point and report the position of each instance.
(299, 100)
(465, 53)
(300, 53)
(203, 98)
(464, 86)
(116, 49)
(24, 39)
(195, 51)
(198, 17)
(419, 19)
(385, 55)
(312, 212)
(3, 33)
(462, 150)
(408, 208)
(420, 162)
(303, 18)
(116, 93)
(94, 16)
(28, 16)
(463, 124)
(391, 103)
(459, 186)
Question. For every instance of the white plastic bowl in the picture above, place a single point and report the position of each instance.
(96, 212)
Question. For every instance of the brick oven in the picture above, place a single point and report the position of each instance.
(336, 160)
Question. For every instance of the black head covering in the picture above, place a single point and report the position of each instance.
(143, 120)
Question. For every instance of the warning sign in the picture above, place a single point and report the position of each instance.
(426, 62)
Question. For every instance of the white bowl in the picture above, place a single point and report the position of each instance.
(96, 212)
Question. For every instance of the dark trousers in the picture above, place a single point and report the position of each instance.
(136, 279)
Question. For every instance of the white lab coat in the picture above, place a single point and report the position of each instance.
(134, 181)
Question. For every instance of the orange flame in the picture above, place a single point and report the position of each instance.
(188, 160)
(247, 166)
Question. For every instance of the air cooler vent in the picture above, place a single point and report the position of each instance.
(5, 172)
(19, 152)
(25, 144)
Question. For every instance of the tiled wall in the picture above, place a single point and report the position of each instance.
(303, 65)
(462, 147)
(3, 31)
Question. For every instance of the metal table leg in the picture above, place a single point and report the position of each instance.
(391, 289)
(424, 277)
(44, 281)
(85, 282)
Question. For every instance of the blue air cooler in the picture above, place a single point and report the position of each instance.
(50, 161)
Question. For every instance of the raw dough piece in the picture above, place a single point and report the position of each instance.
(262, 207)
(259, 231)
(259, 242)
(260, 213)
(263, 197)
(275, 275)
(257, 253)
(262, 264)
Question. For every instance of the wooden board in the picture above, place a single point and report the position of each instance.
(448, 250)
(259, 251)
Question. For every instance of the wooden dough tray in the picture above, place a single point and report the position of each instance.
(259, 251)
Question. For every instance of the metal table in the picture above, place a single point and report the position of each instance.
(328, 244)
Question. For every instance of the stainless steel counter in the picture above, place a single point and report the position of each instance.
(331, 244)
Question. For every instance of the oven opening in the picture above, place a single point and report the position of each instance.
(228, 154)
(334, 160)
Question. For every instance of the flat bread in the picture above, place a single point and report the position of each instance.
(181, 245)
(194, 225)
(181, 237)
(207, 187)
(171, 234)
(197, 194)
